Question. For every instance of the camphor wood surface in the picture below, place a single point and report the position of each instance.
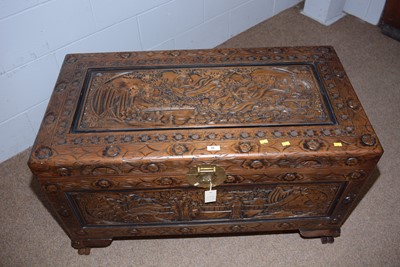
(122, 130)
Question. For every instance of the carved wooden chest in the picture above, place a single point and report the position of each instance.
(203, 142)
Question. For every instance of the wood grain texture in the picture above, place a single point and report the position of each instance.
(122, 130)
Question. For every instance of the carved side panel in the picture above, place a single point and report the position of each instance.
(177, 206)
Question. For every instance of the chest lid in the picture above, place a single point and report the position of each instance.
(196, 106)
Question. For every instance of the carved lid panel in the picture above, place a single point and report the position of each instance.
(162, 112)
(191, 97)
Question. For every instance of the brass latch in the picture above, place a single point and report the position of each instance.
(206, 168)
(206, 175)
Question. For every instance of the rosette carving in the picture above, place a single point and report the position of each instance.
(356, 175)
(112, 151)
(166, 181)
(293, 176)
(153, 167)
(312, 144)
(179, 149)
(43, 152)
(103, 183)
(64, 171)
(368, 140)
(245, 147)
(233, 179)
(351, 161)
(255, 164)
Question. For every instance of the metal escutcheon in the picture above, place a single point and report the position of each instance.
(206, 175)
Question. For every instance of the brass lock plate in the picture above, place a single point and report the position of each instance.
(206, 175)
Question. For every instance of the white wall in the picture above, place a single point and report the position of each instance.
(368, 10)
(36, 34)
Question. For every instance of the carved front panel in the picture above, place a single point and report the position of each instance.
(178, 205)
(134, 99)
